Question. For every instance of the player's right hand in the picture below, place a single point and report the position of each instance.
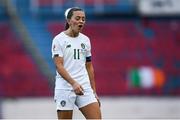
(78, 89)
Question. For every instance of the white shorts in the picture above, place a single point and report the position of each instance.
(67, 99)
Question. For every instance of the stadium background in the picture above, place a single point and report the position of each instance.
(135, 47)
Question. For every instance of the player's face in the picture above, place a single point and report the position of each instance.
(77, 21)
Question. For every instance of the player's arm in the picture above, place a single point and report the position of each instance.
(90, 71)
(58, 61)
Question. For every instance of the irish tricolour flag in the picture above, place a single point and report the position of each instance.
(146, 77)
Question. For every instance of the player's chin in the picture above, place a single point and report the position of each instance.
(80, 28)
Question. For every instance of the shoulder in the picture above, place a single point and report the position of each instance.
(83, 36)
(59, 36)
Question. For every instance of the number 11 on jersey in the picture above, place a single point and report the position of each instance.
(77, 54)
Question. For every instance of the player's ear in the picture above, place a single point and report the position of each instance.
(68, 21)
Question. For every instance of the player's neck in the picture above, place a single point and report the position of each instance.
(71, 33)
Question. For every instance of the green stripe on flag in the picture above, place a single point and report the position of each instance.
(135, 78)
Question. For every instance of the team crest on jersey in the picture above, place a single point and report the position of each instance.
(68, 46)
(63, 103)
(83, 45)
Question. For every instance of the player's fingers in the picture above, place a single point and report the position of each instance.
(81, 88)
(79, 91)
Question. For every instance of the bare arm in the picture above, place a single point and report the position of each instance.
(58, 61)
(90, 71)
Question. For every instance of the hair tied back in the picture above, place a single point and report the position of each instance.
(66, 12)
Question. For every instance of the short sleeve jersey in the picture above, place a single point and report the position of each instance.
(74, 52)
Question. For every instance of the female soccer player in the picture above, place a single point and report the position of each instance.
(75, 84)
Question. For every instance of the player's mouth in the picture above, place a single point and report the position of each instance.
(80, 26)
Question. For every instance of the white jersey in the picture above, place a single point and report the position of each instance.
(74, 52)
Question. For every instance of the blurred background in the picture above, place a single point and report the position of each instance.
(135, 46)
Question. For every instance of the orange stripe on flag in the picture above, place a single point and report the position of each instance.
(159, 78)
